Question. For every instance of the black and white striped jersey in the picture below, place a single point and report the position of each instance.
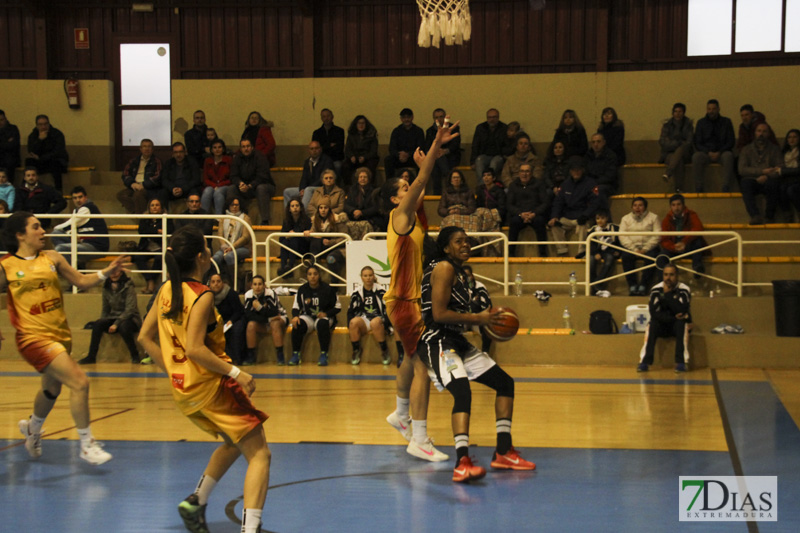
(460, 299)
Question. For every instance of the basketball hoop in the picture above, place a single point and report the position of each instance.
(444, 19)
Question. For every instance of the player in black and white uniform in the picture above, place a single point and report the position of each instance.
(367, 313)
(480, 301)
(263, 313)
(453, 362)
(316, 305)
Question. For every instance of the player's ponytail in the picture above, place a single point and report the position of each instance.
(389, 190)
(181, 258)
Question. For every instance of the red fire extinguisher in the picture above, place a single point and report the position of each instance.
(71, 87)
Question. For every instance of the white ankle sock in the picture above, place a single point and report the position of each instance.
(402, 408)
(419, 429)
(35, 424)
(251, 520)
(86, 436)
(204, 488)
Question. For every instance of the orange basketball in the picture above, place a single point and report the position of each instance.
(507, 329)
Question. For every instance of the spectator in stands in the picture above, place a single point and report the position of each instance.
(487, 144)
(677, 144)
(361, 148)
(151, 231)
(313, 167)
(197, 143)
(747, 129)
(574, 205)
(264, 314)
(142, 179)
(451, 151)
(522, 155)
(120, 314)
(216, 178)
(9, 145)
(211, 136)
(251, 179)
(37, 197)
(491, 195)
(602, 254)
(193, 207)
(713, 143)
(47, 150)
(92, 233)
(230, 308)
(180, 177)
(572, 134)
(789, 171)
(259, 132)
(670, 316)
(681, 218)
(528, 205)
(513, 133)
(331, 138)
(236, 238)
(639, 219)
(8, 193)
(556, 167)
(457, 199)
(602, 167)
(295, 220)
(367, 313)
(4, 210)
(613, 131)
(362, 206)
(759, 162)
(480, 302)
(405, 140)
(330, 191)
(316, 305)
(324, 221)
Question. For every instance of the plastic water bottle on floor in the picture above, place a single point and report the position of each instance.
(518, 284)
(573, 285)
(567, 318)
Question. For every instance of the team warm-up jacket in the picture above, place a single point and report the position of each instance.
(311, 302)
(367, 303)
(270, 306)
(665, 305)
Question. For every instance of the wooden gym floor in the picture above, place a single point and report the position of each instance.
(609, 444)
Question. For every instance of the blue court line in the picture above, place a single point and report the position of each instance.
(596, 381)
(767, 441)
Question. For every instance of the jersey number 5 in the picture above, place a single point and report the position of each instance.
(179, 355)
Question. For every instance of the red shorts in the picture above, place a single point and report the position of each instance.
(230, 412)
(41, 352)
(406, 317)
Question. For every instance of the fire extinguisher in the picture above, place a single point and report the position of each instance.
(73, 94)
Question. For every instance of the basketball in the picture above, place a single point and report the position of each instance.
(506, 330)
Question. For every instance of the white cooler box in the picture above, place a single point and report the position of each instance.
(637, 317)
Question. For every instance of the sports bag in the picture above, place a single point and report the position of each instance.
(602, 323)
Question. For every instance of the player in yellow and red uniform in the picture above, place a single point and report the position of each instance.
(36, 309)
(183, 333)
(404, 238)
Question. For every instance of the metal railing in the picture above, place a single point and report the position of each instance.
(74, 238)
(274, 238)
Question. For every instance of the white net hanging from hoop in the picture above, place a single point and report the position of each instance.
(444, 19)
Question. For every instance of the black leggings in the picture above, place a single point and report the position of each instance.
(128, 329)
(324, 329)
(495, 378)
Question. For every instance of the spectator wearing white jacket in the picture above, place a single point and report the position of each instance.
(639, 219)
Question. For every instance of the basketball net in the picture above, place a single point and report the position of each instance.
(444, 19)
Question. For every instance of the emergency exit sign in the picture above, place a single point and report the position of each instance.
(81, 38)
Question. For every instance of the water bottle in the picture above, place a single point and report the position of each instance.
(518, 284)
(573, 285)
(567, 318)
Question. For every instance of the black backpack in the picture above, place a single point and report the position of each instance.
(602, 323)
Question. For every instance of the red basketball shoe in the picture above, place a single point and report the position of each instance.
(511, 461)
(466, 471)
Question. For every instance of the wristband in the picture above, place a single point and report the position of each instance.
(234, 372)
(101, 276)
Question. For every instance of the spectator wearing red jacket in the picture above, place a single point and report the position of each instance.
(216, 178)
(259, 132)
(681, 218)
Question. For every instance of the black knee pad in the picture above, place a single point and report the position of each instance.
(462, 395)
(49, 395)
(497, 379)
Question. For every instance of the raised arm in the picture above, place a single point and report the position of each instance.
(86, 281)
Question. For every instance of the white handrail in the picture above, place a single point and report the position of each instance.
(275, 239)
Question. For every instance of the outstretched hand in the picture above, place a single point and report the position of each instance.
(446, 131)
(121, 263)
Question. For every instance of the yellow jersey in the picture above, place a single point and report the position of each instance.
(193, 386)
(405, 258)
(35, 302)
